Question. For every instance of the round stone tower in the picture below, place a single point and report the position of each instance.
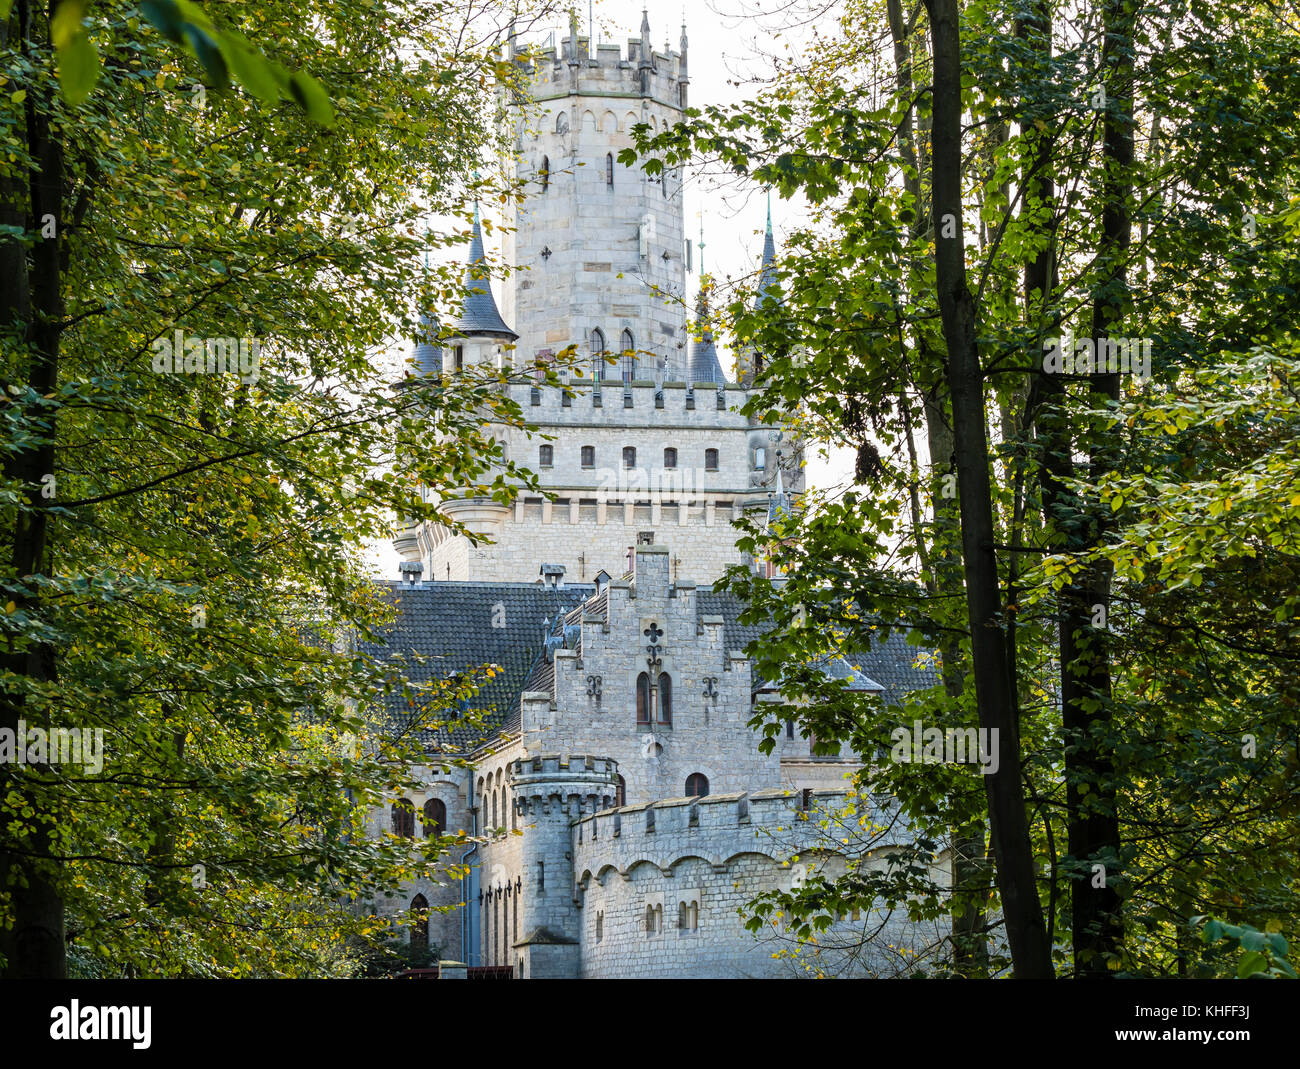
(549, 793)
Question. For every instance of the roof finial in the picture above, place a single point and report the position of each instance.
(701, 244)
(769, 209)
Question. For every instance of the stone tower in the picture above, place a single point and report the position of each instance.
(601, 245)
(649, 444)
(550, 792)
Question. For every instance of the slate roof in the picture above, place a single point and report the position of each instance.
(704, 365)
(428, 359)
(478, 315)
(768, 291)
(451, 625)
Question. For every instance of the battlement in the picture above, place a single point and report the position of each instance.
(572, 68)
(718, 827)
(549, 775)
(771, 808)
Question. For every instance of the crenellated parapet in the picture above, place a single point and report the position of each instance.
(562, 784)
(775, 823)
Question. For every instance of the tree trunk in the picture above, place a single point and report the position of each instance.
(1026, 934)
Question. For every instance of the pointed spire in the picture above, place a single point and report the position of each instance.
(646, 51)
(767, 287)
(479, 315)
(427, 360)
(704, 366)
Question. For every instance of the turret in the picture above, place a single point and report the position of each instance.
(549, 793)
(480, 334)
(704, 356)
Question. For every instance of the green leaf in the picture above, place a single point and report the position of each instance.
(78, 69)
(67, 22)
(166, 19)
(252, 70)
(205, 48)
(1251, 963)
(311, 98)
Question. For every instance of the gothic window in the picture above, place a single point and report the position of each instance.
(460, 358)
(420, 931)
(628, 342)
(597, 354)
(546, 173)
(710, 460)
(643, 699)
(628, 367)
(588, 456)
(620, 791)
(760, 459)
(697, 785)
(562, 123)
(609, 169)
(494, 810)
(435, 817)
(665, 698)
(670, 458)
(629, 456)
(404, 818)
(546, 455)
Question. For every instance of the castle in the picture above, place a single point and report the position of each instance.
(623, 810)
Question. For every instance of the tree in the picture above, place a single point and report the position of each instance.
(183, 546)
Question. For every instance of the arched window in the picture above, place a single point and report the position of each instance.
(628, 366)
(670, 458)
(562, 123)
(546, 173)
(620, 791)
(665, 698)
(493, 825)
(697, 785)
(546, 455)
(663, 185)
(609, 169)
(404, 818)
(760, 459)
(588, 456)
(643, 699)
(629, 456)
(628, 342)
(710, 460)
(435, 817)
(597, 354)
(420, 931)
